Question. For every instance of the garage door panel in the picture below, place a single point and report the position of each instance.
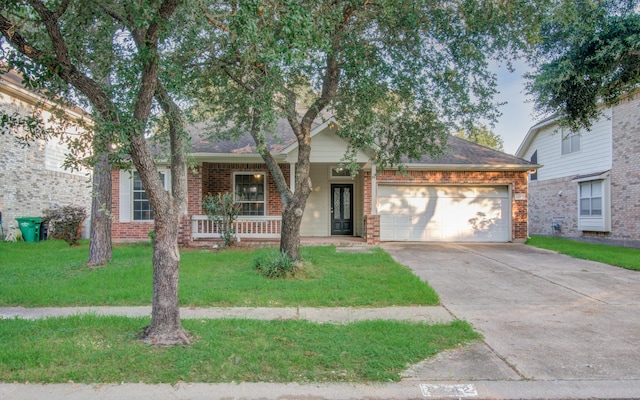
(444, 213)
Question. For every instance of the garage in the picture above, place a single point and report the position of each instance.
(455, 213)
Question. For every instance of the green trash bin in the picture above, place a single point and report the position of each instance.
(30, 228)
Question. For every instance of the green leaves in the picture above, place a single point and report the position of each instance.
(590, 54)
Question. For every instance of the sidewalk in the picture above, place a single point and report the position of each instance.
(322, 315)
(419, 382)
(413, 385)
(319, 391)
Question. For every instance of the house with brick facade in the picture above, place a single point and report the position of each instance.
(471, 194)
(588, 186)
(33, 177)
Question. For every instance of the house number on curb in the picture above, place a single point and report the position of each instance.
(459, 391)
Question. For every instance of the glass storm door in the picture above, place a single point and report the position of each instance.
(342, 209)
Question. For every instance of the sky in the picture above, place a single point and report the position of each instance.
(517, 115)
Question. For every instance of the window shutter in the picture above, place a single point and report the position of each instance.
(125, 196)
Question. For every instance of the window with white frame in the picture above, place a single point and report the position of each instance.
(570, 143)
(141, 206)
(591, 196)
(250, 192)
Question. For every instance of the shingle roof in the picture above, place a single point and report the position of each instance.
(459, 151)
(463, 152)
(203, 142)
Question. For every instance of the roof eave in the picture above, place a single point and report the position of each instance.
(35, 99)
(531, 133)
(232, 157)
(470, 167)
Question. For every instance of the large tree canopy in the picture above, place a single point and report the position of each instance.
(589, 55)
(397, 76)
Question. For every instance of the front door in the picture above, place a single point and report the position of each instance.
(342, 209)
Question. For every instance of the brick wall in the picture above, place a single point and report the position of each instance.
(125, 231)
(139, 230)
(218, 178)
(555, 201)
(517, 180)
(209, 178)
(372, 228)
(625, 174)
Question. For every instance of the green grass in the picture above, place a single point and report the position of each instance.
(51, 273)
(624, 257)
(90, 349)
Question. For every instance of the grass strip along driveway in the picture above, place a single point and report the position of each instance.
(92, 349)
(624, 257)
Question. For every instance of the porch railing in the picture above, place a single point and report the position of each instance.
(262, 227)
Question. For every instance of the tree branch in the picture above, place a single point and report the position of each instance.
(115, 15)
(270, 161)
(177, 148)
(213, 21)
(66, 71)
(62, 8)
(50, 21)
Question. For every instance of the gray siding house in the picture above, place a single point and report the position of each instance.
(589, 184)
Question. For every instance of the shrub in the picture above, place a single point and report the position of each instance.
(275, 264)
(223, 210)
(65, 223)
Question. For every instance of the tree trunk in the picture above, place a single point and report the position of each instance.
(295, 203)
(290, 228)
(100, 244)
(166, 328)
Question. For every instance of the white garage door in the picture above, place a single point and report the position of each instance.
(444, 213)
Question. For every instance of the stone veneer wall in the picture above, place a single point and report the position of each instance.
(517, 180)
(27, 187)
(33, 178)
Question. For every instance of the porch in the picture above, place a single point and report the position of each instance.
(259, 230)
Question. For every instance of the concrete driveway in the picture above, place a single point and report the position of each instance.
(544, 316)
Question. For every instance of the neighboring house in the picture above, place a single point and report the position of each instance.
(589, 183)
(473, 193)
(32, 178)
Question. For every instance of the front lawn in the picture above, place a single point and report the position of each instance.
(50, 273)
(92, 349)
(89, 349)
(624, 257)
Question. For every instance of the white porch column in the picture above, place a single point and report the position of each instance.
(292, 176)
(374, 190)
